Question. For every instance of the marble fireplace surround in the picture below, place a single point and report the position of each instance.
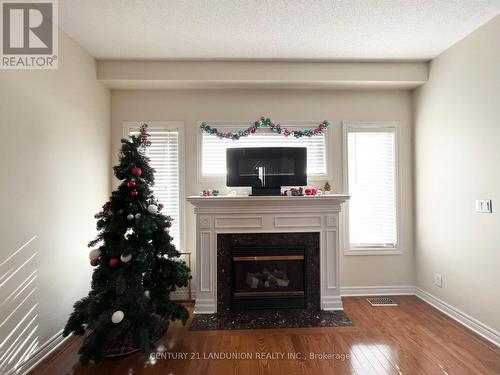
(266, 214)
(310, 241)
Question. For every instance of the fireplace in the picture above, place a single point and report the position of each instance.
(267, 277)
(268, 271)
(225, 222)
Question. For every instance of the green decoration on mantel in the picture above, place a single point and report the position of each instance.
(264, 122)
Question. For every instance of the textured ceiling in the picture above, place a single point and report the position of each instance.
(272, 29)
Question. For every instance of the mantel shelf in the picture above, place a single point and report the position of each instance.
(327, 201)
(254, 198)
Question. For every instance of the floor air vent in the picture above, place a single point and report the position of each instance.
(381, 301)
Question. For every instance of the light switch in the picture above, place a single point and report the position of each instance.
(484, 205)
(438, 280)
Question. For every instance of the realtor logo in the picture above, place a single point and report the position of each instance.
(29, 37)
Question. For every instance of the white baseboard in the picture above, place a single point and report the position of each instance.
(39, 355)
(331, 303)
(205, 306)
(468, 321)
(393, 290)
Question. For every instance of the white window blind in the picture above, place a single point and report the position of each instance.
(214, 149)
(371, 157)
(164, 158)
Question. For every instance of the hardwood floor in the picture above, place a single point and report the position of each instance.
(413, 338)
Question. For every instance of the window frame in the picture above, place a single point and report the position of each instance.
(179, 127)
(373, 126)
(238, 125)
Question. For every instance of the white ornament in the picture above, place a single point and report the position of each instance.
(166, 229)
(125, 258)
(94, 254)
(117, 316)
(152, 209)
(130, 217)
(128, 233)
(147, 294)
(137, 216)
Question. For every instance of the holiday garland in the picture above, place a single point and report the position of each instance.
(264, 122)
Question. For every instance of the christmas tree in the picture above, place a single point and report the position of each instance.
(137, 266)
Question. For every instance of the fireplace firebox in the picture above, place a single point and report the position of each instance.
(268, 277)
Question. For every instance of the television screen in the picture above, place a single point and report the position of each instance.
(266, 167)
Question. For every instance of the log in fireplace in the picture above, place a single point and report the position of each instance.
(268, 277)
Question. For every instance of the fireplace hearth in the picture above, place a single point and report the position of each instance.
(267, 277)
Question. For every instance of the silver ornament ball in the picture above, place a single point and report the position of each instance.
(126, 258)
(117, 316)
(94, 254)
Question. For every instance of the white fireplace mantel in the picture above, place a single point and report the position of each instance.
(266, 214)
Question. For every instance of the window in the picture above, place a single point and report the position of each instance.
(165, 159)
(213, 159)
(372, 185)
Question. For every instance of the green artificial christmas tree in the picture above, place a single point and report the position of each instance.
(137, 266)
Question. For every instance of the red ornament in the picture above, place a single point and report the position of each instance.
(131, 183)
(134, 193)
(160, 206)
(136, 171)
(94, 262)
(113, 262)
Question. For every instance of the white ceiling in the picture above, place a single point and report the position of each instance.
(272, 29)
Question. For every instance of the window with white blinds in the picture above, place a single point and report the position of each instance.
(213, 159)
(372, 185)
(164, 158)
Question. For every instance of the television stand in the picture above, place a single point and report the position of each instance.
(260, 191)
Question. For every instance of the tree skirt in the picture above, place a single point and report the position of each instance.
(119, 348)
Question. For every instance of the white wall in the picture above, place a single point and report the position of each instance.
(457, 160)
(193, 106)
(55, 157)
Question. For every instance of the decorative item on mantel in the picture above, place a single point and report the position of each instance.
(327, 188)
(264, 122)
(300, 192)
(294, 192)
(209, 193)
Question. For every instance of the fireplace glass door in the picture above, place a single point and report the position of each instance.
(268, 277)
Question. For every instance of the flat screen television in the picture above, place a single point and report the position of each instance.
(266, 169)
